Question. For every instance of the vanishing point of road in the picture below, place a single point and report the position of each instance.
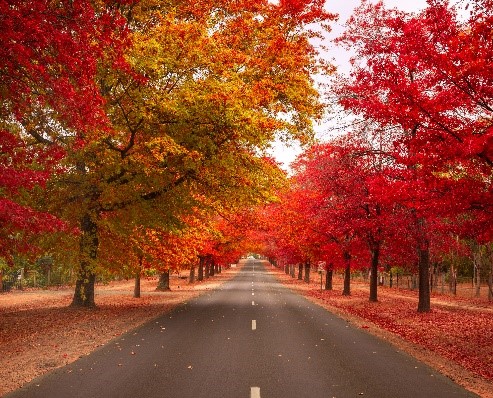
(250, 338)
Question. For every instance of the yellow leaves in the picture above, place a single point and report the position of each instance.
(172, 46)
(163, 146)
(212, 84)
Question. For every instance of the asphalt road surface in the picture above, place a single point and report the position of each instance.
(251, 338)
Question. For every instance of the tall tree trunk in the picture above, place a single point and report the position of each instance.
(200, 277)
(375, 256)
(423, 248)
(432, 278)
(307, 271)
(216, 268)
(207, 271)
(137, 278)
(219, 268)
(328, 277)
(347, 274)
(191, 278)
(163, 284)
(490, 285)
(1, 280)
(452, 280)
(424, 302)
(292, 270)
(478, 282)
(478, 265)
(137, 285)
(490, 276)
(212, 267)
(86, 276)
(286, 269)
(300, 271)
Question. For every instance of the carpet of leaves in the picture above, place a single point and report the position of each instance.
(458, 330)
(40, 332)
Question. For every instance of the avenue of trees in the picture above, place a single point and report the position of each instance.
(411, 183)
(133, 136)
(130, 128)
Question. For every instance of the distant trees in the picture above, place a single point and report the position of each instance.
(418, 168)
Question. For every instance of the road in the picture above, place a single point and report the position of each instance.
(251, 338)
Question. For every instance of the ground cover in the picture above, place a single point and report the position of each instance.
(456, 337)
(40, 332)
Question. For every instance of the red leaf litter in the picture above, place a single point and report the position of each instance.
(456, 337)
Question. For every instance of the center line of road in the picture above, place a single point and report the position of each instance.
(253, 294)
(254, 324)
(255, 392)
(253, 302)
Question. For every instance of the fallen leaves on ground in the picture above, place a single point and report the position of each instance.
(458, 330)
(40, 332)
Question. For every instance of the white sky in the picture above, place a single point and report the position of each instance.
(340, 58)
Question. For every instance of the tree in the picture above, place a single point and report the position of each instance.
(346, 177)
(419, 76)
(48, 66)
(188, 115)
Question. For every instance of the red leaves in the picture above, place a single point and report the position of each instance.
(420, 78)
(50, 54)
(463, 336)
(22, 168)
(49, 57)
(306, 11)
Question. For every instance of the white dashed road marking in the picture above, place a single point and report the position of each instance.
(255, 392)
(254, 324)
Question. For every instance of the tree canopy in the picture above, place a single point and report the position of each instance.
(137, 133)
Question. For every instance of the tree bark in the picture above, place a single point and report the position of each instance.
(137, 285)
(489, 259)
(86, 276)
(191, 278)
(200, 277)
(137, 278)
(375, 255)
(286, 269)
(307, 271)
(292, 270)
(163, 284)
(300, 271)
(347, 274)
(328, 277)
(207, 271)
(212, 267)
(478, 282)
(424, 302)
(452, 280)
(490, 285)
(478, 265)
